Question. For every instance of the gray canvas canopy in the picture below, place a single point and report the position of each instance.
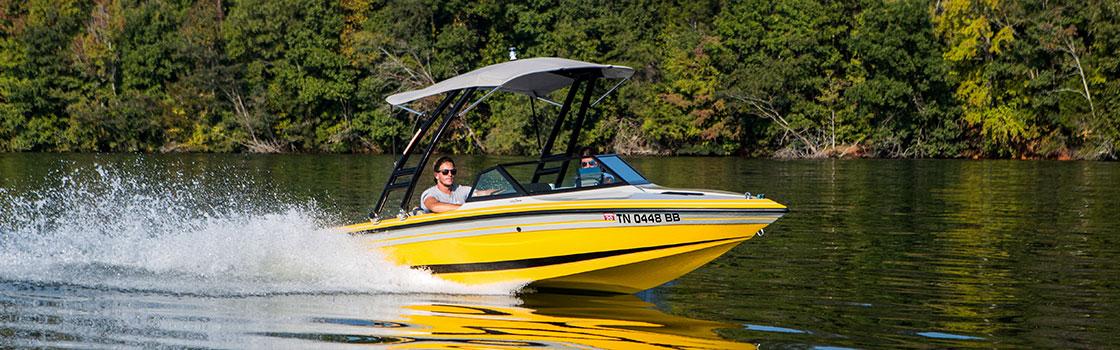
(534, 77)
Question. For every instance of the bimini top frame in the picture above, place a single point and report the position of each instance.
(533, 77)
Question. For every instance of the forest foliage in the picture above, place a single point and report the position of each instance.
(796, 78)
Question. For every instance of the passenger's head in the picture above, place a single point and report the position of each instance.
(444, 171)
(587, 161)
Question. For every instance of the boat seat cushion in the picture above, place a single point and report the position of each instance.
(589, 177)
(537, 187)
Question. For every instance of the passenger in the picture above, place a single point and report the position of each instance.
(588, 166)
(445, 195)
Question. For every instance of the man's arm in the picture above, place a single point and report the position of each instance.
(438, 207)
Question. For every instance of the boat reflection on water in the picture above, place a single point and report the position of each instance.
(34, 315)
(538, 320)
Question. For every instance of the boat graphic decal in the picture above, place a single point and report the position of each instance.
(631, 205)
(775, 212)
(477, 231)
(552, 260)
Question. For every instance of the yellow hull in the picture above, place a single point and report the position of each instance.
(598, 259)
(604, 246)
(641, 275)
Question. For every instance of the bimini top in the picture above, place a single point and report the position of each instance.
(534, 77)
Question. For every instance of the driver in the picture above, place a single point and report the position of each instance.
(445, 195)
(588, 166)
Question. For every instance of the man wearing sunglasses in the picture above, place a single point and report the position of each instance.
(590, 174)
(445, 195)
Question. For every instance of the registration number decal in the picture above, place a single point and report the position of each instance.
(642, 218)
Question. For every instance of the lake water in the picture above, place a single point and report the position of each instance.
(235, 251)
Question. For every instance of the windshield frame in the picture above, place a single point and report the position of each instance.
(519, 189)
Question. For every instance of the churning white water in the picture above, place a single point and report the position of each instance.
(147, 227)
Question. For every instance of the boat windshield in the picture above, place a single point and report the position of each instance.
(623, 169)
(516, 179)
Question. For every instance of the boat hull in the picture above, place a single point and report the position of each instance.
(612, 246)
(641, 274)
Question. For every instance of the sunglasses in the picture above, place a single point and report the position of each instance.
(446, 171)
(588, 164)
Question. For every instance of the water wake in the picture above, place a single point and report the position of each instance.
(144, 226)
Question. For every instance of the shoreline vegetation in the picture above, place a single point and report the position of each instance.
(788, 79)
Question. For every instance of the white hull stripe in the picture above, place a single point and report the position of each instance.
(775, 213)
(542, 223)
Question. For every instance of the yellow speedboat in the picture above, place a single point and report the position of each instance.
(605, 229)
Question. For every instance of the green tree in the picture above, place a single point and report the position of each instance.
(35, 72)
(978, 35)
(124, 59)
(294, 81)
(778, 64)
(687, 115)
(898, 95)
(1069, 82)
(1102, 23)
(205, 118)
(806, 78)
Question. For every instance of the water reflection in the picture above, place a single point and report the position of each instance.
(875, 254)
(62, 316)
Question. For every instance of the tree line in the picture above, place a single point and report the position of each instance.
(796, 78)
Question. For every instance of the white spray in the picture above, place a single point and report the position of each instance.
(140, 226)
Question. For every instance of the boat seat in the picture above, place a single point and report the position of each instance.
(589, 177)
(537, 187)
